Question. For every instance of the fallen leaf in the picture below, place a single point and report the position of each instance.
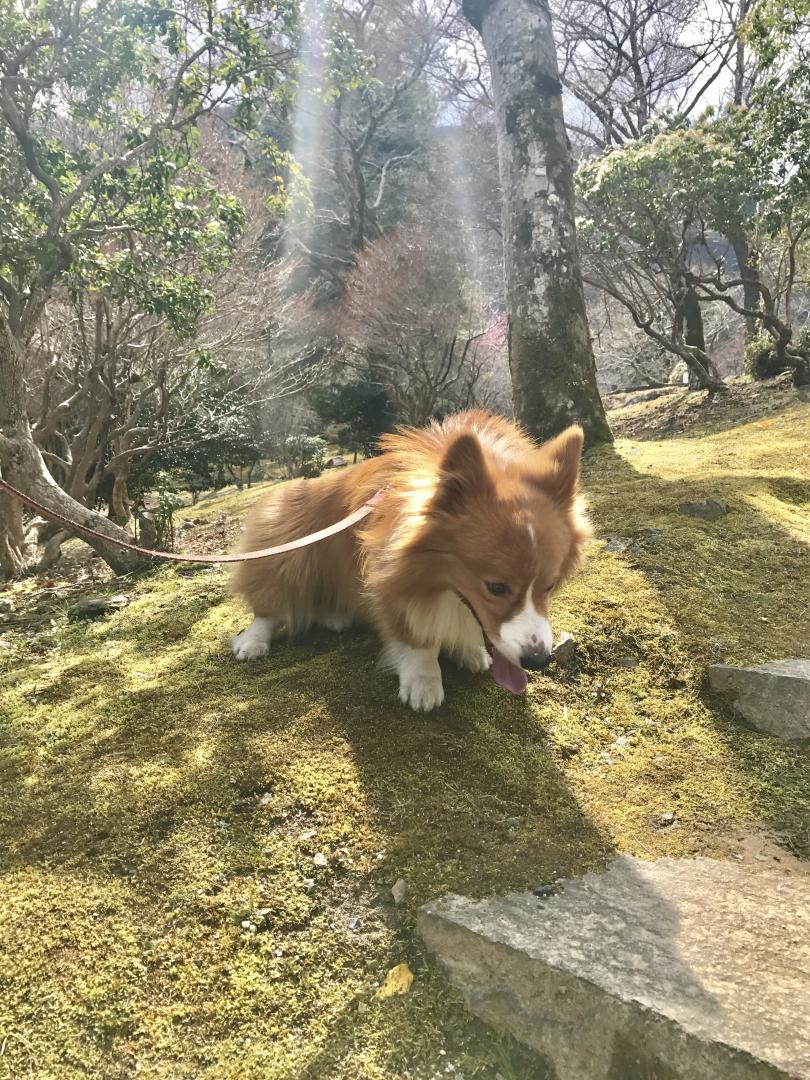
(397, 981)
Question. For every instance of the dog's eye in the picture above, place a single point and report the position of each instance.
(497, 588)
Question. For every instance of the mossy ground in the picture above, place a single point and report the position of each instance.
(156, 795)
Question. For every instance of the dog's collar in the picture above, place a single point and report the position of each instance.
(474, 614)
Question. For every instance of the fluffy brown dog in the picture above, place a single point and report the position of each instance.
(478, 527)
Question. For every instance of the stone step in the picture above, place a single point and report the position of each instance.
(772, 697)
(679, 969)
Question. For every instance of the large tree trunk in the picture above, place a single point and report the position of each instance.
(550, 354)
(24, 467)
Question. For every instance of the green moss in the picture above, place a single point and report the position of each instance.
(228, 500)
(157, 795)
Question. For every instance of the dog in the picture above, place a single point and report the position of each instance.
(478, 527)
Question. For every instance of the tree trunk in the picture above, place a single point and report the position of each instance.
(550, 354)
(752, 298)
(121, 510)
(24, 466)
(12, 538)
(694, 334)
(740, 64)
(688, 330)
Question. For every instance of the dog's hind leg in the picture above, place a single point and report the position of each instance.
(255, 641)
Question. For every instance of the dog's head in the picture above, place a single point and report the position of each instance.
(507, 530)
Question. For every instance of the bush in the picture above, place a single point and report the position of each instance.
(302, 455)
(761, 360)
(362, 410)
(169, 500)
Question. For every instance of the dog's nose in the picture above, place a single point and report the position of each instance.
(535, 659)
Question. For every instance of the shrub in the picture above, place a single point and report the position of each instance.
(303, 455)
(761, 360)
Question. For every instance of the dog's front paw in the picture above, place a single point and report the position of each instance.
(421, 692)
(475, 660)
(254, 642)
(246, 648)
(420, 677)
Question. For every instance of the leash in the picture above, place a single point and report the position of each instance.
(171, 556)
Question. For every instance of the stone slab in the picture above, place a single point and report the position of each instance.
(772, 697)
(679, 969)
(709, 510)
(92, 607)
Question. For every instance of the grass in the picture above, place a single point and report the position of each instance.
(157, 796)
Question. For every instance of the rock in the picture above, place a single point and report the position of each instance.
(565, 651)
(664, 821)
(568, 750)
(93, 606)
(680, 969)
(773, 697)
(709, 510)
(618, 543)
(399, 890)
(6, 607)
(320, 860)
(627, 662)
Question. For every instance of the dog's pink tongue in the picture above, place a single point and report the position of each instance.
(508, 675)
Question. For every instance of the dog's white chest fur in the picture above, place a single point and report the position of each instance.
(446, 623)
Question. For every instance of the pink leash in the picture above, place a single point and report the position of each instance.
(171, 556)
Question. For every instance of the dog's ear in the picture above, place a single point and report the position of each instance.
(557, 469)
(463, 475)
